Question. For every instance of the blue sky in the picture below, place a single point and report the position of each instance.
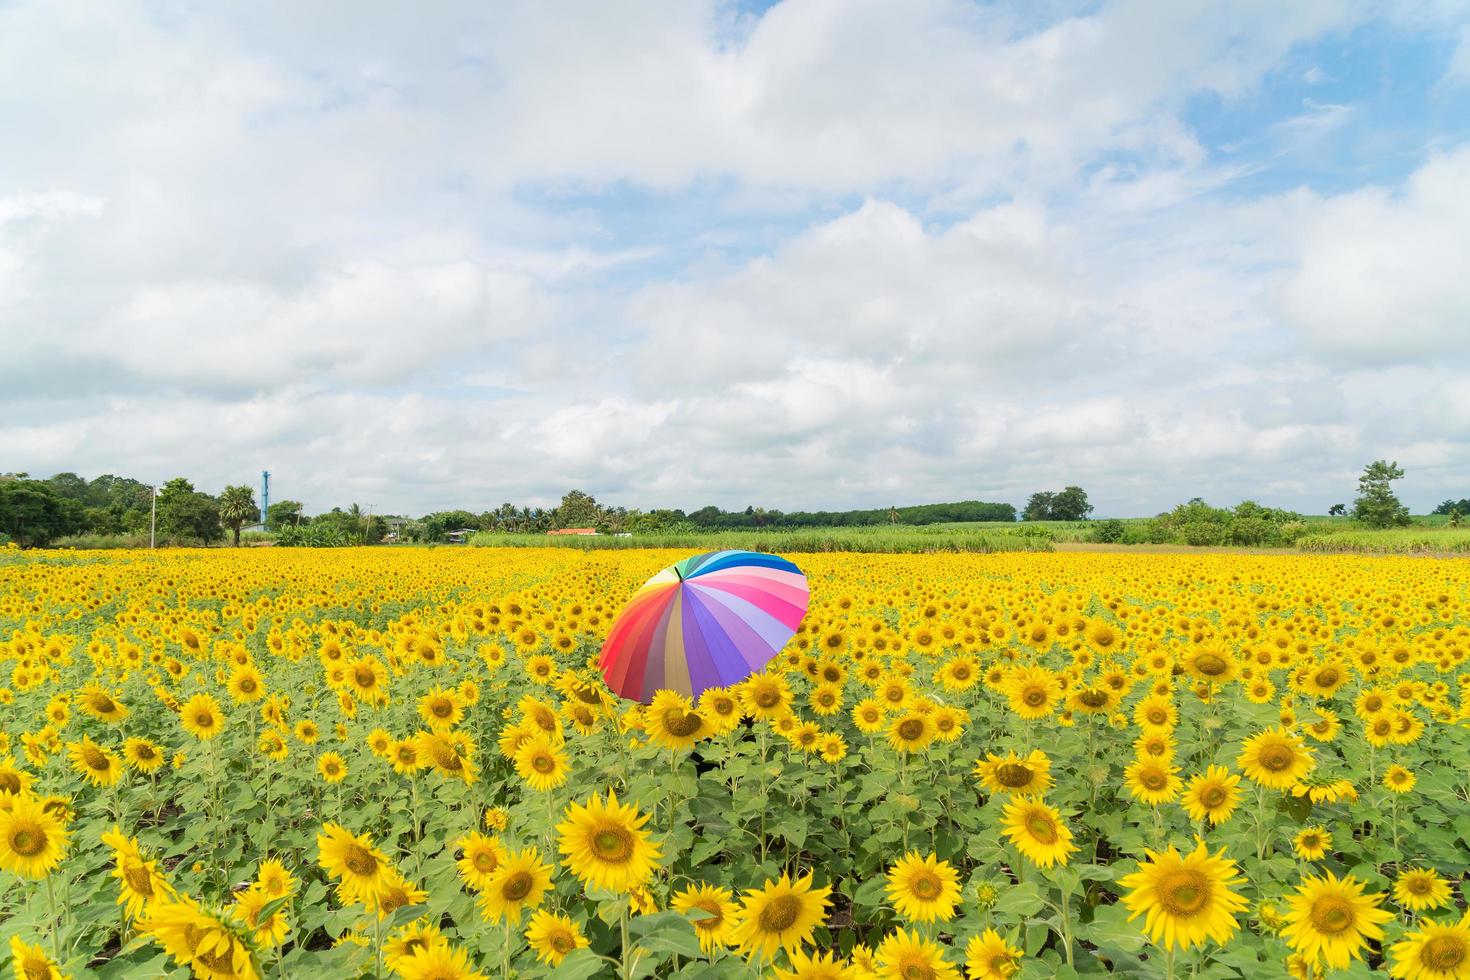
(802, 254)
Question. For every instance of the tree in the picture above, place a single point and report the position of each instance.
(577, 509)
(1070, 505)
(1450, 506)
(32, 513)
(285, 513)
(1336, 510)
(236, 507)
(1038, 508)
(185, 513)
(1376, 505)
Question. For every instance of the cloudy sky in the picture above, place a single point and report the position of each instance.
(818, 253)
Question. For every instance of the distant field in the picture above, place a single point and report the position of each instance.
(898, 539)
(1394, 541)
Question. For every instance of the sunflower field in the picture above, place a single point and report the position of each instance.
(403, 762)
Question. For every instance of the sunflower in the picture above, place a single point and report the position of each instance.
(767, 696)
(719, 914)
(604, 843)
(1152, 782)
(1093, 699)
(332, 767)
(197, 939)
(367, 679)
(438, 961)
(420, 934)
(13, 779)
(672, 721)
(140, 882)
(1034, 692)
(394, 893)
(1213, 795)
(441, 708)
(1156, 712)
(989, 957)
(31, 962)
(817, 966)
(1399, 779)
(721, 708)
(245, 684)
(868, 714)
(1331, 919)
(142, 755)
(1311, 843)
(482, 855)
(923, 889)
(520, 882)
(910, 956)
(98, 764)
(1419, 890)
(358, 867)
(102, 705)
(248, 909)
(781, 914)
(1185, 899)
(273, 877)
(1434, 951)
(200, 716)
(832, 747)
(405, 756)
(1012, 774)
(1275, 758)
(911, 732)
(1038, 832)
(541, 764)
(32, 839)
(553, 936)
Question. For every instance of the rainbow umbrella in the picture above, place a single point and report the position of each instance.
(706, 621)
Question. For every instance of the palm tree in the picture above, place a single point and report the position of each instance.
(236, 506)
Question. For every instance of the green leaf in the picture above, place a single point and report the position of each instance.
(579, 964)
(1020, 901)
(1111, 930)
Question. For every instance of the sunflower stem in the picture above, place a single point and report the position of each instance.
(55, 920)
(1066, 917)
(1169, 963)
(378, 945)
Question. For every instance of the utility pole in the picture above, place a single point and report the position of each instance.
(153, 520)
(265, 499)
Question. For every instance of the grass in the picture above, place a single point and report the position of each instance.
(897, 539)
(1416, 540)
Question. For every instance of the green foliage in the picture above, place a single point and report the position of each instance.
(317, 534)
(1108, 532)
(32, 513)
(185, 515)
(285, 512)
(1069, 504)
(1452, 506)
(577, 509)
(1376, 505)
(890, 539)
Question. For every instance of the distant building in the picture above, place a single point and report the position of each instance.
(574, 530)
(460, 535)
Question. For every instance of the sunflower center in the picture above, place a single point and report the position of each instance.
(1153, 779)
(613, 845)
(767, 698)
(221, 962)
(562, 942)
(1093, 699)
(1040, 827)
(926, 886)
(36, 969)
(364, 677)
(780, 913)
(1212, 796)
(1210, 664)
(204, 719)
(1013, 775)
(442, 709)
(544, 764)
(1184, 893)
(9, 783)
(1332, 915)
(910, 729)
(248, 686)
(1034, 697)
(916, 968)
(1157, 716)
(1277, 758)
(28, 841)
(1444, 953)
(716, 916)
(359, 860)
(139, 880)
(680, 723)
(517, 886)
(484, 862)
(95, 759)
(1417, 886)
(1327, 677)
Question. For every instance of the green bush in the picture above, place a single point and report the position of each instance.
(1202, 533)
(1109, 531)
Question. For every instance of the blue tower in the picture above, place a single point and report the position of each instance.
(265, 499)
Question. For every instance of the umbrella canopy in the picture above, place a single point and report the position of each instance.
(707, 621)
